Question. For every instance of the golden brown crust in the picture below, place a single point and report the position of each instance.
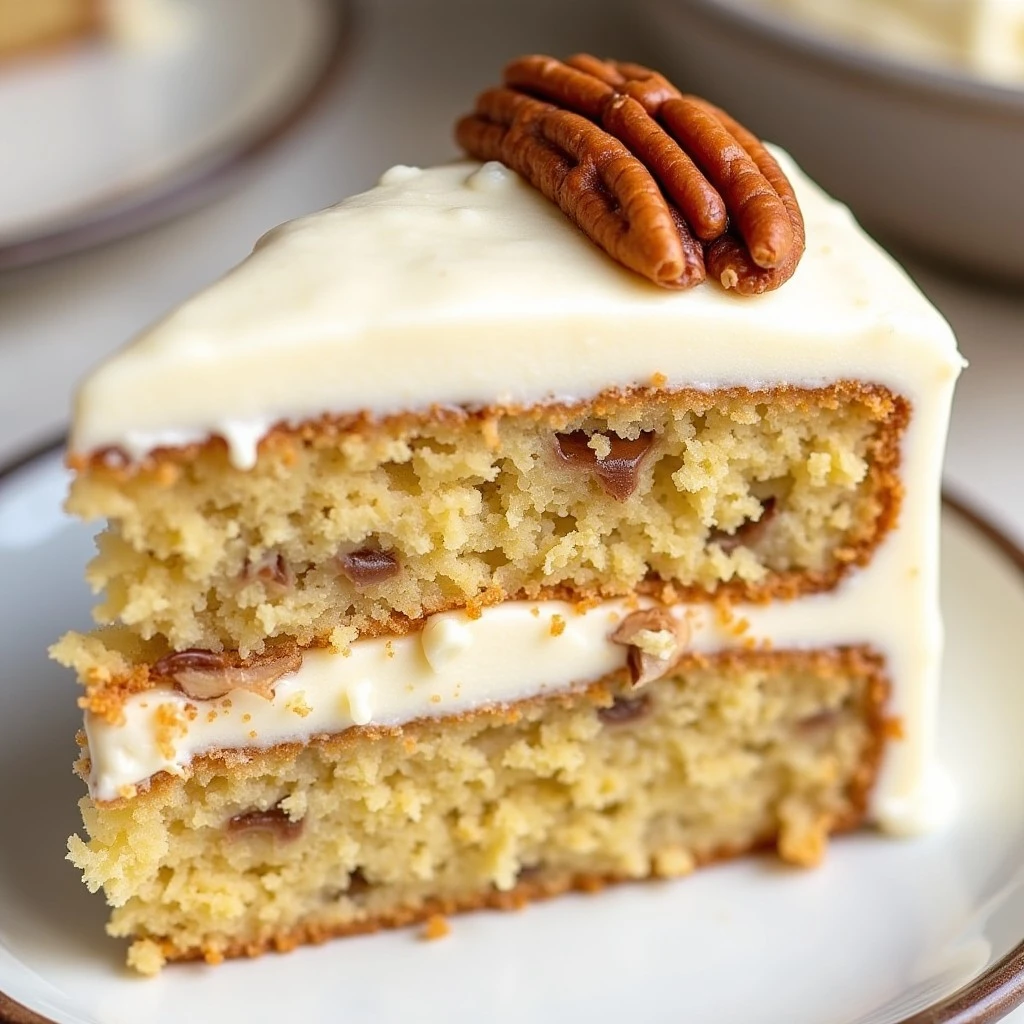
(163, 464)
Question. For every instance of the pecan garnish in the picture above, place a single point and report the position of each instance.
(369, 565)
(618, 472)
(206, 675)
(748, 533)
(656, 640)
(275, 820)
(599, 137)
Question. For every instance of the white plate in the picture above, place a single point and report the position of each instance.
(101, 138)
(883, 929)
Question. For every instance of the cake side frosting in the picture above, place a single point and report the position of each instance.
(460, 285)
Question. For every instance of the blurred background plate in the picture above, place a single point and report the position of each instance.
(927, 156)
(139, 131)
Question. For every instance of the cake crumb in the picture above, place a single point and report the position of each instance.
(893, 728)
(586, 604)
(247, 717)
(435, 698)
(168, 727)
(297, 705)
(600, 445)
(535, 612)
(389, 649)
(674, 862)
(658, 380)
(211, 715)
(128, 791)
(253, 734)
(489, 431)
(436, 927)
(146, 957)
(557, 625)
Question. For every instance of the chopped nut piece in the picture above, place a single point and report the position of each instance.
(656, 640)
(368, 566)
(625, 709)
(272, 570)
(206, 675)
(748, 533)
(619, 470)
(274, 820)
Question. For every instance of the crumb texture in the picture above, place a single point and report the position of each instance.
(371, 828)
(358, 529)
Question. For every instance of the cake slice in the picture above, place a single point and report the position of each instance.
(451, 563)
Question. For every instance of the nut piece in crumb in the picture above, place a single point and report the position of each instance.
(748, 533)
(625, 709)
(436, 927)
(617, 469)
(274, 820)
(656, 640)
(368, 566)
(273, 571)
(206, 675)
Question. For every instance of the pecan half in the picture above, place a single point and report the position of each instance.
(557, 123)
(369, 565)
(275, 820)
(206, 675)
(656, 640)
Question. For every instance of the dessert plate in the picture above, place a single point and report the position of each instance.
(925, 930)
(104, 138)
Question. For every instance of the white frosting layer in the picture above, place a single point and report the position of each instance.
(462, 285)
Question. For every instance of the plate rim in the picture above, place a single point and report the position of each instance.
(981, 96)
(198, 181)
(988, 998)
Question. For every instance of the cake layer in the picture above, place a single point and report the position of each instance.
(384, 826)
(349, 528)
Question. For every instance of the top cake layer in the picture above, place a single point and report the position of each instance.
(460, 285)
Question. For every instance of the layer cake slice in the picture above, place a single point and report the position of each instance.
(449, 563)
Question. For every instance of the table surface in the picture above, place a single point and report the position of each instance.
(410, 71)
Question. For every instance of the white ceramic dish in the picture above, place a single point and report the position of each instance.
(931, 158)
(103, 138)
(885, 929)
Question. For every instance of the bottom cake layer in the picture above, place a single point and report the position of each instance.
(258, 850)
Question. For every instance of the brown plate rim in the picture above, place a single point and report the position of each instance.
(984, 1000)
(198, 181)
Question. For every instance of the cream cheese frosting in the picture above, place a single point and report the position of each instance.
(462, 285)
